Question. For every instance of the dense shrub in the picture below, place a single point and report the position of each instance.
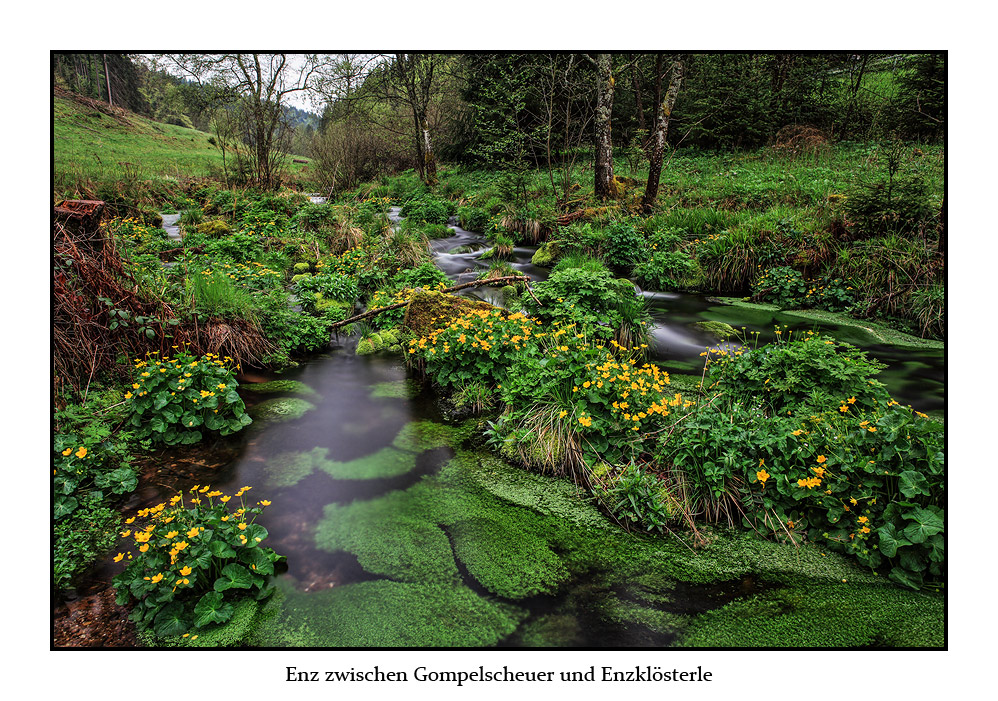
(600, 304)
(427, 209)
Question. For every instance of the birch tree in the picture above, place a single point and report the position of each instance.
(657, 145)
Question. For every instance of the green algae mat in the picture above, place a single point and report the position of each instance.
(479, 553)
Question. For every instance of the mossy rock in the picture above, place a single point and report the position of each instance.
(397, 389)
(427, 310)
(509, 561)
(398, 614)
(837, 615)
(387, 462)
(300, 268)
(215, 228)
(325, 306)
(280, 387)
(151, 218)
(418, 436)
(716, 329)
(279, 409)
(288, 469)
(546, 255)
(297, 278)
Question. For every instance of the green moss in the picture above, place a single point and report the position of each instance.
(556, 630)
(545, 256)
(215, 228)
(396, 389)
(831, 615)
(877, 332)
(280, 387)
(717, 329)
(397, 614)
(418, 436)
(429, 309)
(391, 537)
(279, 409)
(301, 268)
(618, 611)
(288, 469)
(508, 560)
(684, 384)
(387, 462)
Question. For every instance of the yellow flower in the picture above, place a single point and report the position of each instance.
(119, 557)
(184, 571)
(82, 452)
(265, 502)
(156, 578)
(224, 499)
(762, 476)
(862, 519)
(851, 400)
(143, 547)
(67, 451)
(821, 459)
(864, 529)
(193, 532)
(242, 526)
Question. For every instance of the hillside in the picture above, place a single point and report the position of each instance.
(95, 143)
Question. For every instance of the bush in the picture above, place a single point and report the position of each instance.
(473, 219)
(173, 398)
(186, 560)
(428, 210)
(79, 539)
(624, 245)
(601, 305)
(665, 270)
(313, 290)
(835, 461)
(813, 374)
(638, 496)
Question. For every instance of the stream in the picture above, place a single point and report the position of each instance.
(397, 535)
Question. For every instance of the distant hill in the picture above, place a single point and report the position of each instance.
(97, 143)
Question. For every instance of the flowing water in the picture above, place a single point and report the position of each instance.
(397, 535)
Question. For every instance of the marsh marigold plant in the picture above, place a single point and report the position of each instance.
(172, 399)
(186, 558)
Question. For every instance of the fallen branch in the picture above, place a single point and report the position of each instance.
(477, 283)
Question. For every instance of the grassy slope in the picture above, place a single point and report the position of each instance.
(91, 145)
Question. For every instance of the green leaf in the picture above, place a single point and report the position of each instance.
(189, 437)
(913, 483)
(212, 609)
(170, 620)
(219, 548)
(257, 561)
(64, 506)
(234, 577)
(890, 540)
(927, 522)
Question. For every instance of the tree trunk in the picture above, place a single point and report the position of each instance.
(107, 80)
(603, 170)
(657, 151)
(429, 159)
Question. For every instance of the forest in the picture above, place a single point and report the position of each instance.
(530, 350)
